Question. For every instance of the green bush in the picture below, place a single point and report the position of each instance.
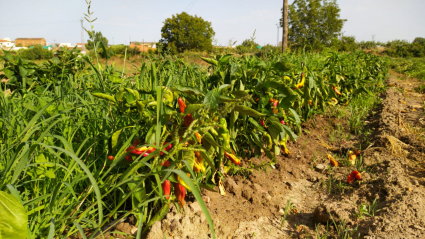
(402, 48)
(35, 53)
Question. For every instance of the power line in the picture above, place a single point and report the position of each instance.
(189, 5)
(192, 5)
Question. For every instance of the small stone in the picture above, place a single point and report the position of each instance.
(133, 230)
(195, 207)
(320, 167)
(203, 218)
(268, 197)
(206, 199)
(415, 182)
(281, 211)
(313, 179)
(259, 189)
(155, 231)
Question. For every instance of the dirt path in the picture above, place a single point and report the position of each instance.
(321, 202)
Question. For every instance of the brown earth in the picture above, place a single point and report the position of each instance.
(392, 174)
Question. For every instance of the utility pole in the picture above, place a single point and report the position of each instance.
(83, 49)
(285, 26)
(277, 25)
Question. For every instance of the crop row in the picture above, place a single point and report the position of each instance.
(82, 145)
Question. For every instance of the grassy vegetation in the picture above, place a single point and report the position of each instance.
(410, 67)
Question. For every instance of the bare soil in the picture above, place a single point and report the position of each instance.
(392, 174)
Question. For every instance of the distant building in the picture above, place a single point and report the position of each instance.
(6, 43)
(30, 41)
(143, 46)
(69, 45)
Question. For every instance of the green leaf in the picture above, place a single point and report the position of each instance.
(210, 61)
(247, 111)
(114, 139)
(222, 87)
(256, 124)
(14, 218)
(210, 139)
(159, 215)
(211, 99)
(188, 89)
(50, 174)
(295, 115)
(240, 93)
(193, 108)
(224, 59)
(290, 132)
(283, 66)
(104, 96)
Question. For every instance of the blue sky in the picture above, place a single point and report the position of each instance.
(124, 20)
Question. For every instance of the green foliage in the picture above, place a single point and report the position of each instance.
(35, 53)
(402, 48)
(95, 37)
(419, 40)
(249, 43)
(60, 132)
(313, 23)
(13, 220)
(122, 50)
(185, 32)
(411, 67)
(344, 43)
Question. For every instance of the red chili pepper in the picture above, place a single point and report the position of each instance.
(353, 176)
(180, 192)
(166, 163)
(350, 179)
(275, 103)
(282, 121)
(188, 119)
(336, 90)
(232, 158)
(166, 187)
(130, 148)
(111, 157)
(182, 105)
(129, 158)
(136, 142)
(356, 174)
(262, 122)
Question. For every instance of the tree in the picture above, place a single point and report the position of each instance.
(185, 32)
(249, 43)
(96, 37)
(419, 40)
(313, 23)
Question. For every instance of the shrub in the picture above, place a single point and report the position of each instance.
(36, 52)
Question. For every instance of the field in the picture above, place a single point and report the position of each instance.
(311, 145)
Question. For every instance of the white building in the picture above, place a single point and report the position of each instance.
(69, 45)
(6, 43)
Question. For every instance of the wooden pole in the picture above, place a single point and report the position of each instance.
(285, 26)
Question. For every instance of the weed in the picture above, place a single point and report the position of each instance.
(288, 207)
(343, 230)
(322, 235)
